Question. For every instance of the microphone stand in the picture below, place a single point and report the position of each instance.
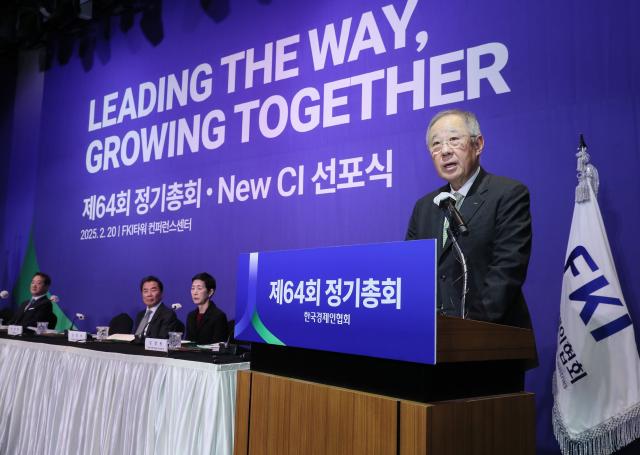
(465, 270)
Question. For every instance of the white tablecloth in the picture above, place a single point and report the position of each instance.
(65, 400)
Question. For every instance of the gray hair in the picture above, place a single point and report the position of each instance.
(469, 118)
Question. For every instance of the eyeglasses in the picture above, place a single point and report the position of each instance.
(454, 142)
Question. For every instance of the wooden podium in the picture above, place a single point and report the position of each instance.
(299, 401)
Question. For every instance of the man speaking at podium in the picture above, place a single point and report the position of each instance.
(495, 210)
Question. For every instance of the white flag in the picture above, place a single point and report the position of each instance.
(597, 378)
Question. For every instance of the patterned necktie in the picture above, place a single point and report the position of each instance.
(459, 198)
(143, 323)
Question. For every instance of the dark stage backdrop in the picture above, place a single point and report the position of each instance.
(278, 125)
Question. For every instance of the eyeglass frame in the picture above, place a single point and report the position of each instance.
(448, 143)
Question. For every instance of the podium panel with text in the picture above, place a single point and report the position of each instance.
(359, 299)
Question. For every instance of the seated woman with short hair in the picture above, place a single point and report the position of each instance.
(207, 323)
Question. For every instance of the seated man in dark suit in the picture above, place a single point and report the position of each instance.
(37, 309)
(207, 323)
(157, 320)
(496, 211)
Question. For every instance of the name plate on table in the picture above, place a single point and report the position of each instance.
(14, 330)
(376, 300)
(156, 344)
(76, 335)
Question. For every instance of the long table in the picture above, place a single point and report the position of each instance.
(61, 399)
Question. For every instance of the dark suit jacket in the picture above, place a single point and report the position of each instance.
(164, 320)
(214, 326)
(497, 249)
(41, 310)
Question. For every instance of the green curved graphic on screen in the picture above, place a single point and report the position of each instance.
(264, 332)
(21, 287)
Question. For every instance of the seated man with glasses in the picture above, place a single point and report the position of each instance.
(496, 211)
(156, 320)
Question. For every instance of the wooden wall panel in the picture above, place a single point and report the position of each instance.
(413, 428)
(297, 417)
(503, 424)
(290, 417)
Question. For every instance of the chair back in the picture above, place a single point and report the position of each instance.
(121, 323)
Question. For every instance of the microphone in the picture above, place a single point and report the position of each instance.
(447, 202)
(79, 317)
(4, 294)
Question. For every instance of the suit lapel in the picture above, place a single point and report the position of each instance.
(448, 243)
(155, 317)
(476, 196)
(158, 313)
